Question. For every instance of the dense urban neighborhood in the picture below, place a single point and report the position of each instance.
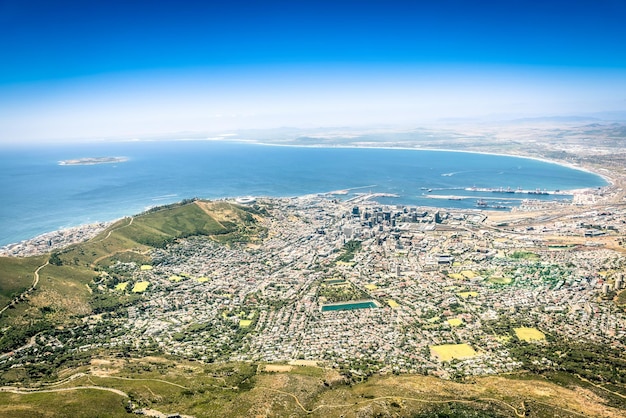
(341, 303)
(368, 288)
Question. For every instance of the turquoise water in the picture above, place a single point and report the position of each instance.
(38, 195)
(349, 306)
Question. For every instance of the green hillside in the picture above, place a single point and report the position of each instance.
(224, 222)
(65, 291)
(16, 275)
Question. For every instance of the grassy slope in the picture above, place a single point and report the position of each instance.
(16, 275)
(63, 290)
(83, 403)
(239, 389)
(158, 227)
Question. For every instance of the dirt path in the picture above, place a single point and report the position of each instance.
(36, 276)
(93, 263)
(115, 229)
(97, 260)
(64, 381)
(401, 398)
(145, 380)
(148, 412)
(600, 386)
(81, 374)
(28, 392)
(27, 291)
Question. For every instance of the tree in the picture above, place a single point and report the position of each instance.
(55, 259)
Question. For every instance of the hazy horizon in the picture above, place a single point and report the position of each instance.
(78, 71)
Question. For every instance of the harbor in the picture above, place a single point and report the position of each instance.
(519, 190)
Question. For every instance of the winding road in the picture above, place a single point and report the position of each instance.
(27, 291)
(115, 229)
(28, 392)
(401, 398)
(97, 260)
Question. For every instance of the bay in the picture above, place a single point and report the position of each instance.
(39, 195)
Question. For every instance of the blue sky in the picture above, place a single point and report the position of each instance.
(85, 70)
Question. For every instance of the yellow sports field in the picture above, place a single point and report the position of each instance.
(244, 323)
(447, 352)
(145, 267)
(466, 295)
(392, 303)
(455, 322)
(175, 278)
(202, 279)
(140, 287)
(121, 286)
(371, 287)
(529, 334)
(500, 280)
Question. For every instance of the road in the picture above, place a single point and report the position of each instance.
(11, 389)
(396, 398)
(27, 291)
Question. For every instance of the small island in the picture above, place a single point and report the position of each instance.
(93, 161)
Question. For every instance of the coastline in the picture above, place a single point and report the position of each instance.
(36, 244)
(605, 177)
(53, 240)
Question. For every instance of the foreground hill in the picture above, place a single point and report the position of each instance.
(114, 386)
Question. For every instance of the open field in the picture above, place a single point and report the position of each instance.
(500, 280)
(447, 352)
(529, 334)
(469, 274)
(454, 322)
(140, 287)
(277, 368)
(457, 276)
(121, 286)
(392, 303)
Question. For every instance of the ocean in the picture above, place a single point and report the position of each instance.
(39, 195)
